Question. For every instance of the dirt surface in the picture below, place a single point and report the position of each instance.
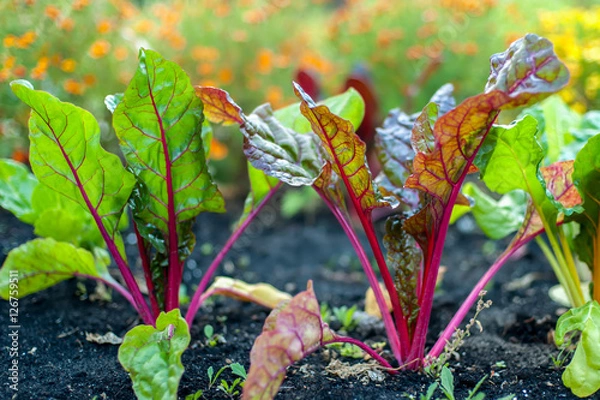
(56, 361)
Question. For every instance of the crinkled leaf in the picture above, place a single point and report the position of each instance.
(16, 188)
(404, 259)
(42, 263)
(269, 146)
(527, 72)
(586, 176)
(159, 124)
(345, 151)
(393, 144)
(279, 151)
(65, 154)
(260, 186)
(348, 105)
(260, 293)
(496, 218)
(582, 375)
(291, 332)
(152, 356)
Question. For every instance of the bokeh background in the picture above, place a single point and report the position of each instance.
(401, 51)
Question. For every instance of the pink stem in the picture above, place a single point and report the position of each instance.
(142, 249)
(113, 284)
(372, 353)
(199, 298)
(174, 274)
(401, 324)
(364, 260)
(432, 266)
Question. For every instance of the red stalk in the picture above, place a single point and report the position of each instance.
(175, 265)
(372, 353)
(390, 329)
(199, 295)
(143, 250)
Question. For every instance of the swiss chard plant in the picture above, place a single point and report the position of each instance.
(77, 197)
(425, 159)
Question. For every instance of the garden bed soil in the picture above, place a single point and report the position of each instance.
(57, 362)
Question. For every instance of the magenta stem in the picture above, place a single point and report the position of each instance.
(143, 250)
(111, 283)
(372, 353)
(401, 325)
(432, 266)
(462, 312)
(198, 298)
(175, 264)
(366, 264)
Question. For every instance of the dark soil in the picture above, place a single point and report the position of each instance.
(514, 349)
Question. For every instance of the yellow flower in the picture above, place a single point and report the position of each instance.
(73, 87)
(68, 65)
(104, 26)
(99, 49)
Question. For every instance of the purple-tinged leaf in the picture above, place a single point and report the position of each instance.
(291, 332)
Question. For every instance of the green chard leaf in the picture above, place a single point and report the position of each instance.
(348, 105)
(527, 72)
(586, 176)
(152, 356)
(16, 188)
(42, 263)
(291, 332)
(159, 123)
(66, 155)
(582, 375)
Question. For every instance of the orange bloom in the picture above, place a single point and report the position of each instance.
(226, 76)
(4, 75)
(121, 53)
(104, 26)
(201, 53)
(143, 26)
(73, 87)
(26, 40)
(66, 24)
(52, 12)
(80, 4)
(205, 68)
(89, 79)
(218, 150)
(99, 49)
(20, 71)
(274, 96)
(9, 62)
(254, 16)
(68, 65)
(38, 73)
(222, 10)
(20, 155)
(10, 41)
(264, 61)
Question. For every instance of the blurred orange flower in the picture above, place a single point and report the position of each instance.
(218, 150)
(99, 49)
(9, 62)
(143, 26)
(205, 68)
(66, 24)
(274, 96)
(89, 79)
(10, 41)
(73, 87)
(68, 65)
(20, 71)
(264, 61)
(80, 4)
(104, 26)
(201, 53)
(226, 76)
(52, 12)
(26, 40)
(121, 53)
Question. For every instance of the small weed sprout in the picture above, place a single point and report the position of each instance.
(435, 367)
